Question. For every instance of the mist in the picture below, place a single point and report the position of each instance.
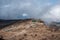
(47, 10)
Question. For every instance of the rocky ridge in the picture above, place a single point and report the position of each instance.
(30, 29)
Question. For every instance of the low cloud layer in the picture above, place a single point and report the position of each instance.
(53, 14)
(47, 10)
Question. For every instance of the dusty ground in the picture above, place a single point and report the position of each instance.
(29, 30)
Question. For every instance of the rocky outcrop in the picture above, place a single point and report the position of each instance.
(29, 30)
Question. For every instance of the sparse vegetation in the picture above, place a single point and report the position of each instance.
(34, 20)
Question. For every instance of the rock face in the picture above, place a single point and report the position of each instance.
(29, 30)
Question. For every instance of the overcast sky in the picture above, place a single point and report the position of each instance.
(47, 10)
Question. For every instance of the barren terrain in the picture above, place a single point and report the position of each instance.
(29, 30)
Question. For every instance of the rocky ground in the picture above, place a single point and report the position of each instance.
(29, 30)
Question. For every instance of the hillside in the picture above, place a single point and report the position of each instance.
(29, 29)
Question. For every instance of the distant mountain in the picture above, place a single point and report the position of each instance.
(4, 23)
(55, 25)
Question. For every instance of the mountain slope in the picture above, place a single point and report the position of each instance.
(31, 29)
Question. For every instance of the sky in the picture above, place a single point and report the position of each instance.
(47, 10)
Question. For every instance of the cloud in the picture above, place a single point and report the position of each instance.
(24, 14)
(56, 11)
(31, 7)
(53, 14)
(17, 9)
